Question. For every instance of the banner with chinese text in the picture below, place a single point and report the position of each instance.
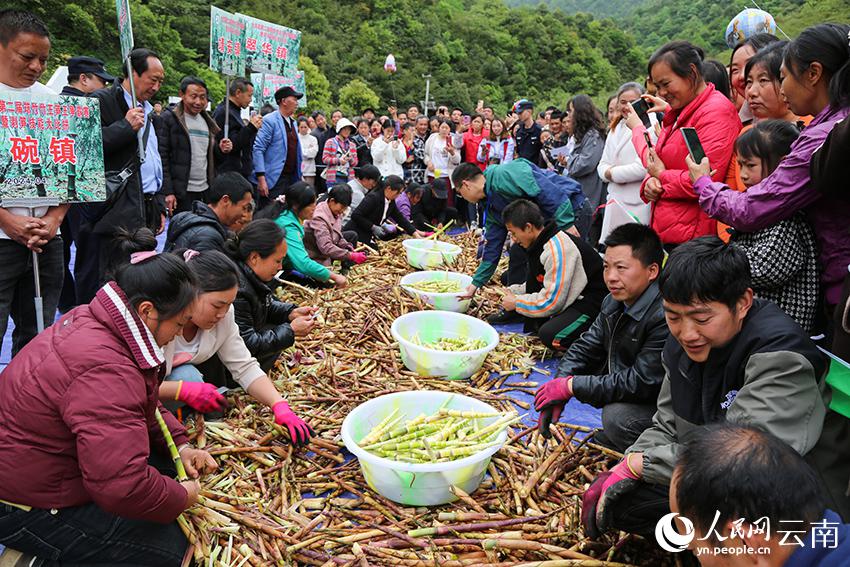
(50, 147)
(125, 27)
(266, 86)
(270, 48)
(227, 43)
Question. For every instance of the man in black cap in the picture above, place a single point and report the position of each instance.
(85, 75)
(433, 209)
(528, 144)
(277, 149)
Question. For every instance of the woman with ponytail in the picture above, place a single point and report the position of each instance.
(290, 214)
(815, 77)
(211, 339)
(266, 325)
(78, 481)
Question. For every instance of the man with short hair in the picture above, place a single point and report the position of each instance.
(557, 139)
(489, 113)
(556, 195)
(457, 118)
(726, 473)
(412, 113)
(528, 144)
(564, 289)
(730, 358)
(277, 149)
(24, 49)
(368, 114)
(241, 135)
(365, 179)
(616, 364)
(205, 226)
(418, 168)
(186, 146)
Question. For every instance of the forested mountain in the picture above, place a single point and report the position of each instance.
(472, 48)
(616, 9)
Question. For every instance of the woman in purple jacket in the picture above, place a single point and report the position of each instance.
(815, 81)
(78, 483)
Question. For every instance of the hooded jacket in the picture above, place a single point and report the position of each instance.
(199, 230)
(263, 320)
(77, 416)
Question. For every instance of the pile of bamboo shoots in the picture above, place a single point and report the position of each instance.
(270, 505)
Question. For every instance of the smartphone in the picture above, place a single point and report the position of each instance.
(648, 139)
(693, 143)
(467, 119)
(641, 107)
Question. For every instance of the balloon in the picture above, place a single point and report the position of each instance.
(389, 64)
(748, 23)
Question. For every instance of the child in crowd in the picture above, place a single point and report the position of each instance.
(783, 256)
(324, 238)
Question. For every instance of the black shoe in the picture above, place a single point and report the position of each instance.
(504, 317)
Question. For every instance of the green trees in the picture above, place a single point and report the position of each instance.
(355, 96)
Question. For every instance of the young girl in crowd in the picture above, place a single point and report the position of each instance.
(816, 82)
(498, 147)
(472, 139)
(290, 215)
(267, 325)
(388, 153)
(213, 335)
(324, 238)
(783, 256)
(309, 150)
(78, 481)
(584, 123)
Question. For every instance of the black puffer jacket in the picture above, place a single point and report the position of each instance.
(199, 230)
(619, 358)
(263, 320)
(176, 150)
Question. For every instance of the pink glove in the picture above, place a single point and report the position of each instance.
(299, 431)
(200, 396)
(597, 496)
(357, 257)
(554, 392)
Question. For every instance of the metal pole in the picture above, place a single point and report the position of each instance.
(427, 91)
(227, 109)
(140, 133)
(39, 306)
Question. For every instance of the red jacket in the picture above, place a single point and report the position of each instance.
(677, 216)
(77, 416)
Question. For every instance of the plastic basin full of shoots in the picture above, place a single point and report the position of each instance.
(439, 289)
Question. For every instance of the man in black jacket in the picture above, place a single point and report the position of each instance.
(433, 209)
(187, 146)
(121, 127)
(616, 364)
(241, 135)
(205, 226)
(377, 216)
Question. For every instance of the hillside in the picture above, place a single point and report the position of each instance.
(474, 49)
(616, 9)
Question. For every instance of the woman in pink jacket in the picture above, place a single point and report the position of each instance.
(676, 70)
(324, 239)
(78, 482)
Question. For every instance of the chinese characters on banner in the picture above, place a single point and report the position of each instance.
(50, 147)
(265, 87)
(125, 27)
(227, 43)
(270, 48)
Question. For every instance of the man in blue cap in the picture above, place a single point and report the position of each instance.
(528, 144)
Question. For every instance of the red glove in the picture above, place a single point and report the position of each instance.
(200, 396)
(554, 392)
(548, 416)
(357, 257)
(299, 431)
(607, 487)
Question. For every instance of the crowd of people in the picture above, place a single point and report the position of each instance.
(679, 291)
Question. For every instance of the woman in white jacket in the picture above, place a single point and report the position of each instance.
(213, 332)
(622, 169)
(309, 150)
(388, 153)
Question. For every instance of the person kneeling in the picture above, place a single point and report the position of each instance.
(377, 216)
(212, 337)
(741, 488)
(729, 358)
(616, 365)
(324, 239)
(564, 287)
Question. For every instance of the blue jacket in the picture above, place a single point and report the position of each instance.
(270, 150)
(818, 553)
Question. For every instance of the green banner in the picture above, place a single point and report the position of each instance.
(125, 27)
(227, 43)
(266, 85)
(50, 147)
(270, 48)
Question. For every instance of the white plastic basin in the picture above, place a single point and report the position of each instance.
(417, 484)
(441, 301)
(429, 254)
(433, 325)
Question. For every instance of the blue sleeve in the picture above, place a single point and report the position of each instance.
(261, 142)
(495, 235)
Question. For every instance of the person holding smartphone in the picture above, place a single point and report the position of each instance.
(676, 70)
(388, 153)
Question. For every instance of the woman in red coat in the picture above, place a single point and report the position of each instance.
(77, 427)
(688, 101)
